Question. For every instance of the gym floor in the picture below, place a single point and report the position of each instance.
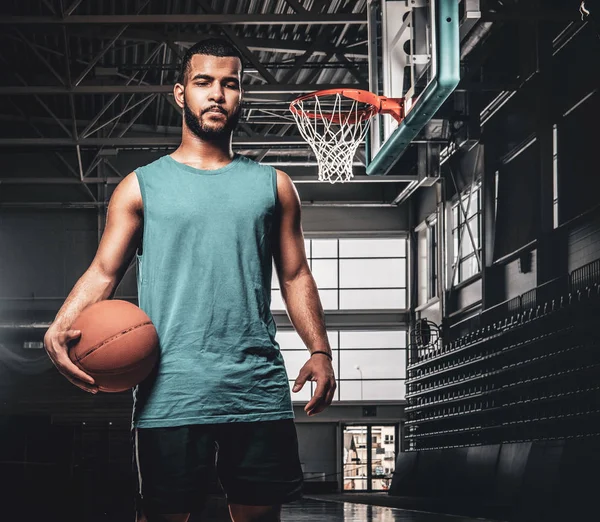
(311, 509)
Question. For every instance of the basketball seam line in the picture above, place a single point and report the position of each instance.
(122, 369)
(112, 338)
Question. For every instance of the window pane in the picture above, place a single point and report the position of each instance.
(422, 268)
(274, 279)
(304, 395)
(325, 272)
(455, 235)
(372, 299)
(307, 248)
(372, 273)
(372, 390)
(294, 361)
(466, 247)
(332, 337)
(372, 339)
(473, 206)
(373, 364)
(373, 247)
(474, 224)
(432, 263)
(468, 268)
(324, 248)
(277, 301)
(329, 299)
(290, 340)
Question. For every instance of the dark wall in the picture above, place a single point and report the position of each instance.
(584, 241)
(540, 126)
(425, 203)
(545, 480)
(516, 281)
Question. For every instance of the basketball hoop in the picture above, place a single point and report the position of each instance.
(334, 123)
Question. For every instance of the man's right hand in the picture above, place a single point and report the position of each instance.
(56, 344)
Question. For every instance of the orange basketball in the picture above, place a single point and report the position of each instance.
(118, 345)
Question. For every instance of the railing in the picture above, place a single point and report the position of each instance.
(529, 371)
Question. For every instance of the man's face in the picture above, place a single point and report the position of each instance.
(212, 96)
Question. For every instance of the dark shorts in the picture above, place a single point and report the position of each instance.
(254, 463)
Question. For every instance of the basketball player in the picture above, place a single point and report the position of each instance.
(205, 224)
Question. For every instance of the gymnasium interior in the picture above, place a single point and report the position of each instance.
(458, 265)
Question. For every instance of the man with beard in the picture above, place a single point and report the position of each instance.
(205, 225)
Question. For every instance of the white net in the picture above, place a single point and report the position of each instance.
(334, 126)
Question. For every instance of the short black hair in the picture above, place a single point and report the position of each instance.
(211, 46)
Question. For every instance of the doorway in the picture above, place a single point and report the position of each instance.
(369, 456)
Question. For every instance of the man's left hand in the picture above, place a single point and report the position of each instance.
(318, 368)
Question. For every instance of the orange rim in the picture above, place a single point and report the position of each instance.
(392, 106)
(352, 116)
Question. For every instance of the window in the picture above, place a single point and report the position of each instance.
(355, 274)
(369, 365)
(427, 253)
(432, 249)
(555, 173)
(466, 234)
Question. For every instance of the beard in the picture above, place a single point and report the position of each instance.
(210, 132)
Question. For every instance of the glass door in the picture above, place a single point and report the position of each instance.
(369, 456)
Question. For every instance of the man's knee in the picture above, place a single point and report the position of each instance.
(242, 513)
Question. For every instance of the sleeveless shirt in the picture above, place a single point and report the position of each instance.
(204, 279)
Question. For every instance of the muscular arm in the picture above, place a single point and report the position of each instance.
(298, 287)
(301, 297)
(117, 246)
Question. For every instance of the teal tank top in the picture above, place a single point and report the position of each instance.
(204, 279)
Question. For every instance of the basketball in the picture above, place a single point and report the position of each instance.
(118, 345)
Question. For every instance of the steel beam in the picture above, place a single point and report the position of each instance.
(188, 38)
(533, 15)
(49, 6)
(207, 19)
(40, 101)
(160, 102)
(262, 155)
(99, 56)
(74, 131)
(310, 177)
(153, 141)
(69, 11)
(122, 132)
(299, 62)
(39, 55)
(297, 6)
(150, 57)
(239, 43)
(125, 110)
(59, 54)
(16, 90)
(41, 135)
(105, 49)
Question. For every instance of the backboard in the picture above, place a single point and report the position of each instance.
(402, 57)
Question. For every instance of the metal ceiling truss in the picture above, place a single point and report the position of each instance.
(114, 131)
(129, 90)
(307, 18)
(355, 50)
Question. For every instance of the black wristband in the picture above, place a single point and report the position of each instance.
(324, 353)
